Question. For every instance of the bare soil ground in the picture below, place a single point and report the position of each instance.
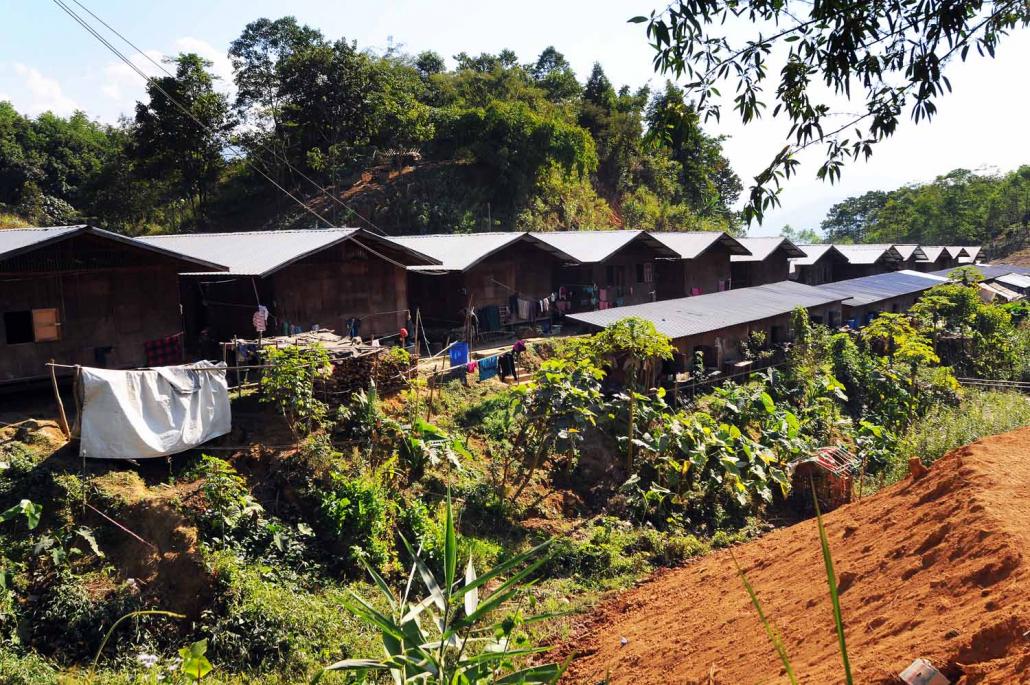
(933, 567)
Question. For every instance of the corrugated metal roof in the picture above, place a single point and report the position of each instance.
(462, 251)
(973, 251)
(867, 253)
(692, 244)
(813, 253)
(704, 313)
(989, 271)
(590, 247)
(261, 253)
(1015, 280)
(956, 251)
(761, 248)
(15, 241)
(879, 287)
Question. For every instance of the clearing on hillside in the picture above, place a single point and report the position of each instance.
(932, 567)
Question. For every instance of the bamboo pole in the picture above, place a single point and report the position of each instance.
(60, 405)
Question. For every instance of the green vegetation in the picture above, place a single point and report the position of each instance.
(946, 427)
(887, 62)
(271, 549)
(958, 208)
(490, 144)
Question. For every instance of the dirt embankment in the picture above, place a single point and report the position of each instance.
(935, 567)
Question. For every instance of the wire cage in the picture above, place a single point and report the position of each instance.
(830, 472)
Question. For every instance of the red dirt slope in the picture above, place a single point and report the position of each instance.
(936, 568)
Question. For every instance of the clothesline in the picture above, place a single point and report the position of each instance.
(147, 368)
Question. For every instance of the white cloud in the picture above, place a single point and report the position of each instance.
(220, 64)
(40, 93)
(122, 83)
(125, 87)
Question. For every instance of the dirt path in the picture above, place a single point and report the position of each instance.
(933, 568)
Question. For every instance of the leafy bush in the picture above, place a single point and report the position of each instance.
(70, 613)
(356, 511)
(290, 384)
(267, 624)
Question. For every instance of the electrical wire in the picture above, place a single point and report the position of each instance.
(231, 147)
(280, 157)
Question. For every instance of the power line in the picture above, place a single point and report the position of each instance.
(185, 111)
(228, 144)
(282, 158)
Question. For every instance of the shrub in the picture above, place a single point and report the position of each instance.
(271, 624)
(290, 384)
(355, 510)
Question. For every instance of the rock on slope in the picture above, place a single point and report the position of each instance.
(935, 567)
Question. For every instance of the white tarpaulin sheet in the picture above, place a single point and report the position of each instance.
(152, 412)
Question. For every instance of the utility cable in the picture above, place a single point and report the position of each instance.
(282, 158)
(233, 148)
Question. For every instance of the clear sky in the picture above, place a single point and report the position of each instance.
(47, 62)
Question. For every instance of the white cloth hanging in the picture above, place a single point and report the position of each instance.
(139, 414)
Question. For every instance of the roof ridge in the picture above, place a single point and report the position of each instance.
(256, 232)
(462, 235)
(46, 228)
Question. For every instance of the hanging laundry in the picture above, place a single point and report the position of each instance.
(506, 366)
(164, 351)
(490, 318)
(524, 310)
(152, 412)
(519, 347)
(471, 367)
(260, 319)
(459, 353)
(354, 327)
(602, 294)
(487, 368)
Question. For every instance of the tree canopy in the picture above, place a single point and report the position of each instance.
(958, 208)
(887, 58)
(413, 143)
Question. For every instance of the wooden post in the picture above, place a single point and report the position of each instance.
(60, 405)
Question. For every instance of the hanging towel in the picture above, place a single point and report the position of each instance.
(487, 368)
(471, 367)
(524, 310)
(506, 366)
(260, 319)
(490, 318)
(459, 354)
(603, 294)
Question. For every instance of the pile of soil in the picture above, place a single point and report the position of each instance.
(935, 567)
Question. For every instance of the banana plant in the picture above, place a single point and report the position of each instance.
(449, 636)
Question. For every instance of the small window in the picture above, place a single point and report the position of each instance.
(31, 325)
(18, 327)
(640, 273)
(649, 273)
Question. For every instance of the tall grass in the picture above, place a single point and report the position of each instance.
(981, 413)
(8, 220)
